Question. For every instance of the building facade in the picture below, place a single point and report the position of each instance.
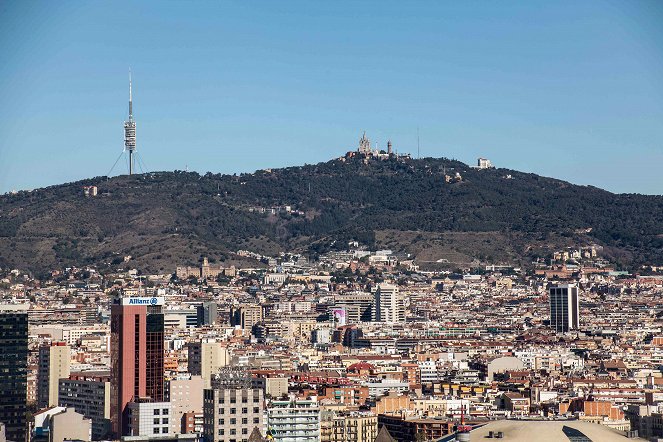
(246, 316)
(54, 363)
(232, 408)
(348, 427)
(206, 358)
(137, 356)
(89, 394)
(564, 307)
(149, 419)
(389, 304)
(13, 373)
(294, 420)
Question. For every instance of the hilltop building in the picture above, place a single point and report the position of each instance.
(205, 271)
(483, 163)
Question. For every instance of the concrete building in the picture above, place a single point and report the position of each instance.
(273, 387)
(294, 420)
(564, 307)
(207, 313)
(54, 363)
(389, 304)
(246, 316)
(146, 418)
(503, 364)
(358, 306)
(70, 425)
(57, 424)
(89, 394)
(232, 408)
(185, 397)
(13, 370)
(206, 358)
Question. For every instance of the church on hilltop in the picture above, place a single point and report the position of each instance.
(366, 152)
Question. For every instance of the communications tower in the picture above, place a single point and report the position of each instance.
(130, 132)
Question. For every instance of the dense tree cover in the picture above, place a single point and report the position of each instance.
(333, 202)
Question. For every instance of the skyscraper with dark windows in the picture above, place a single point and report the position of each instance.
(564, 307)
(13, 371)
(137, 357)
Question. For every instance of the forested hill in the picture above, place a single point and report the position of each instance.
(168, 218)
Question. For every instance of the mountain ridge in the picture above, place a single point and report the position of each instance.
(164, 219)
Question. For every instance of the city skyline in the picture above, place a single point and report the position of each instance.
(565, 90)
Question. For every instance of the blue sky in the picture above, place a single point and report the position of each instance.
(567, 89)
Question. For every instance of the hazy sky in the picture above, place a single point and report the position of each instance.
(570, 89)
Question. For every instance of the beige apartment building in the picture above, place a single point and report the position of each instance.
(206, 358)
(54, 363)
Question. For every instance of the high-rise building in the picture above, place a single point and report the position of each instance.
(389, 304)
(54, 362)
(294, 420)
(13, 371)
(564, 307)
(232, 408)
(137, 356)
(206, 358)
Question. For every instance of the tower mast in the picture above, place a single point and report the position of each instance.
(130, 132)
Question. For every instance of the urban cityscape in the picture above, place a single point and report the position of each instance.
(378, 295)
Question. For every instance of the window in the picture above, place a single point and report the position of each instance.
(222, 421)
(233, 431)
(222, 400)
(164, 420)
(233, 411)
(221, 432)
(256, 410)
(245, 400)
(256, 420)
(156, 420)
(222, 411)
(164, 430)
(155, 430)
(233, 421)
(245, 410)
(245, 421)
(156, 411)
(245, 431)
(165, 411)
